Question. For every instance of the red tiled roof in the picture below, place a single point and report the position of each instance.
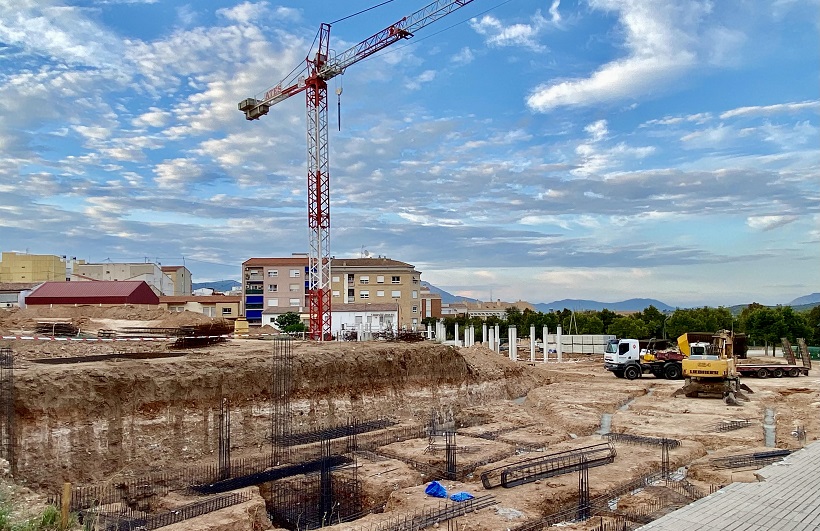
(100, 291)
(297, 260)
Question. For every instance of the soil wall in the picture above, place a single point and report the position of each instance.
(89, 422)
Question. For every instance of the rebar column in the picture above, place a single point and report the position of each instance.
(325, 486)
(583, 490)
(7, 408)
(450, 452)
(225, 439)
(281, 391)
(665, 459)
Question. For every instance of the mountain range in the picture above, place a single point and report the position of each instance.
(630, 305)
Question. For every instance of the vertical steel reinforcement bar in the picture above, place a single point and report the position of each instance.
(281, 390)
(225, 439)
(7, 408)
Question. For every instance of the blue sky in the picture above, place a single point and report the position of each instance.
(598, 149)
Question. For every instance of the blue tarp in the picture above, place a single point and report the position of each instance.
(461, 496)
(436, 489)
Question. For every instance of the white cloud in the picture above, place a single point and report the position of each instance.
(597, 130)
(465, 56)
(766, 223)
(768, 110)
(176, 173)
(555, 16)
(661, 38)
(498, 34)
(59, 32)
(425, 77)
(245, 13)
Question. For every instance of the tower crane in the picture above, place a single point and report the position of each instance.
(321, 68)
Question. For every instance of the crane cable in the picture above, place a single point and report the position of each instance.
(360, 12)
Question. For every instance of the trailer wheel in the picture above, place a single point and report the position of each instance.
(762, 373)
(632, 372)
(777, 373)
(672, 371)
(794, 372)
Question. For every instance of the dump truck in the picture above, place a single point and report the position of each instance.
(632, 358)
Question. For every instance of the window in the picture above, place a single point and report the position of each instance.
(380, 293)
(364, 279)
(273, 287)
(295, 302)
(294, 273)
(293, 287)
(380, 279)
(415, 294)
(272, 273)
(396, 294)
(335, 279)
(395, 279)
(336, 293)
(364, 294)
(415, 280)
(210, 311)
(415, 309)
(226, 311)
(273, 302)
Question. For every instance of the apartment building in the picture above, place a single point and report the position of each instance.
(181, 282)
(151, 274)
(274, 286)
(24, 267)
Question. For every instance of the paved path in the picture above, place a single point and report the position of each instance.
(787, 498)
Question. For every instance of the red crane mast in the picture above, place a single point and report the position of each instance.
(320, 69)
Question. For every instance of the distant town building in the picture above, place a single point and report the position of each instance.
(150, 273)
(13, 294)
(217, 306)
(274, 286)
(484, 309)
(180, 279)
(95, 293)
(24, 267)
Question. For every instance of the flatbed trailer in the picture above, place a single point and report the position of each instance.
(773, 370)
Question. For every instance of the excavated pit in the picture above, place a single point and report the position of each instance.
(109, 419)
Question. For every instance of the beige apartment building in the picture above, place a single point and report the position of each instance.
(274, 286)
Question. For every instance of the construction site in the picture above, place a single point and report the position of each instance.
(128, 427)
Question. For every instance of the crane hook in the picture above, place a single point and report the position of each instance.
(339, 106)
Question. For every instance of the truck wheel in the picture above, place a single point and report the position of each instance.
(777, 373)
(632, 372)
(762, 373)
(794, 372)
(619, 374)
(672, 371)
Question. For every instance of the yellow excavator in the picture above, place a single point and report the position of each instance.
(709, 369)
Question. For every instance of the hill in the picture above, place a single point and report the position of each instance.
(446, 297)
(218, 285)
(810, 300)
(631, 305)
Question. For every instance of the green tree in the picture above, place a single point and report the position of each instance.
(586, 322)
(813, 323)
(607, 316)
(290, 322)
(699, 320)
(629, 327)
(654, 320)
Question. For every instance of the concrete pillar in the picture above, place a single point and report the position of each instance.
(512, 337)
(455, 335)
(441, 333)
(544, 334)
(558, 345)
(491, 340)
(472, 335)
(498, 338)
(484, 334)
(532, 343)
